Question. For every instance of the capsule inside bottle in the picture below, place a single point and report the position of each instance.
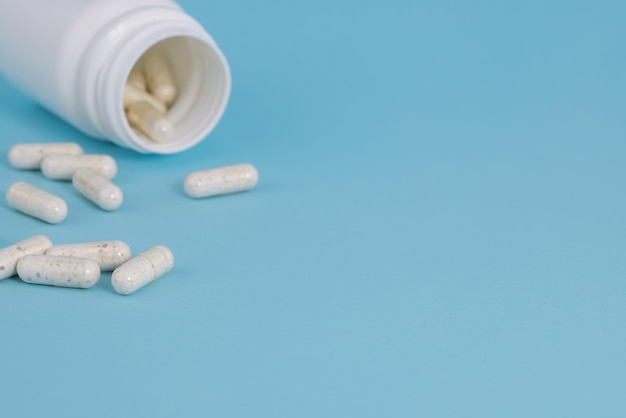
(186, 80)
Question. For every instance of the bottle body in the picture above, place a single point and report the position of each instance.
(74, 57)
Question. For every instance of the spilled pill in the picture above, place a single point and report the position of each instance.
(108, 254)
(29, 156)
(9, 256)
(97, 188)
(36, 202)
(62, 167)
(73, 272)
(142, 270)
(219, 181)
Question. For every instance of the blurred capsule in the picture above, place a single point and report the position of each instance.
(98, 189)
(223, 180)
(158, 75)
(29, 156)
(144, 117)
(36, 202)
(62, 167)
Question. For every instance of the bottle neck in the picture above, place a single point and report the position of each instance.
(199, 68)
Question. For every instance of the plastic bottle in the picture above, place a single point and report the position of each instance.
(74, 57)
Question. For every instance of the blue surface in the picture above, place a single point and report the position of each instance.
(438, 231)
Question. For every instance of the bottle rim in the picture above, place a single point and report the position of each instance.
(114, 52)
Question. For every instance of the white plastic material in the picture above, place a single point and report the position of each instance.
(75, 56)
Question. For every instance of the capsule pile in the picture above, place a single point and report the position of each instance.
(36, 260)
(91, 175)
(149, 94)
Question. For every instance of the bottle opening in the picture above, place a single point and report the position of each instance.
(201, 84)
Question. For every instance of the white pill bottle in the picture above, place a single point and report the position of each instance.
(74, 57)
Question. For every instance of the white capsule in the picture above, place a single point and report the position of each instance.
(36, 202)
(142, 270)
(10, 255)
(62, 167)
(108, 254)
(132, 94)
(81, 273)
(158, 75)
(29, 156)
(143, 116)
(97, 188)
(219, 181)
(136, 77)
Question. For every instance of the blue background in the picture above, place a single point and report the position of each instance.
(438, 230)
